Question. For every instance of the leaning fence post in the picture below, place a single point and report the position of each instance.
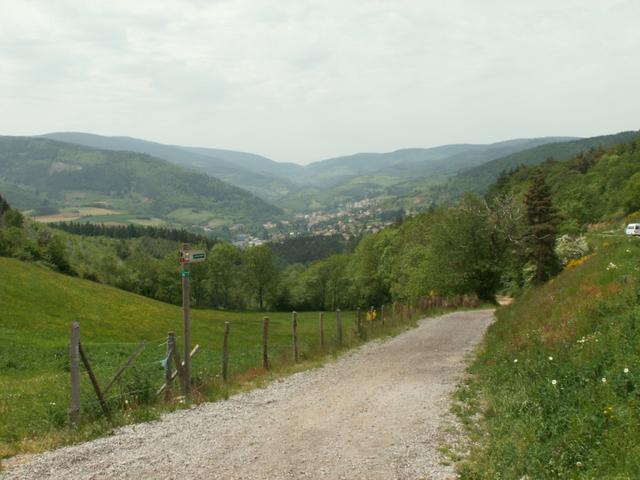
(225, 352)
(74, 357)
(339, 325)
(94, 382)
(171, 345)
(294, 325)
(265, 343)
(321, 329)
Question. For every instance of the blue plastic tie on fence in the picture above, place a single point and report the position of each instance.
(164, 362)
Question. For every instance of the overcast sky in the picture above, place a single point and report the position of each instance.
(300, 80)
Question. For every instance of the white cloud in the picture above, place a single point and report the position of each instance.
(305, 80)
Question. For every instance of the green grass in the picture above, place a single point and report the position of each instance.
(123, 219)
(37, 307)
(190, 215)
(545, 410)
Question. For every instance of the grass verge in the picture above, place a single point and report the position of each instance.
(554, 391)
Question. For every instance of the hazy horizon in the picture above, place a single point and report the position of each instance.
(363, 151)
(300, 83)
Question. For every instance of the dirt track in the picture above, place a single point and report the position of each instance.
(375, 413)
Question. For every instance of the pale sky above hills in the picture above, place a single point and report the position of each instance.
(304, 80)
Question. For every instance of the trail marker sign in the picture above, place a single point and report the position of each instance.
(192, 256)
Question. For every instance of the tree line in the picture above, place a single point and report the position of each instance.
(132, 231)
(467, 248)
(30, 242)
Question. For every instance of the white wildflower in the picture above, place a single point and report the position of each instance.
(550, 358)
(554, 382)
(626, 370)
(604, 380)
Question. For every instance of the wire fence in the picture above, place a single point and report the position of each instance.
(43, 401)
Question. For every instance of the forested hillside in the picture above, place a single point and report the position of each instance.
(479, 178)
(258, 175)
(47, 176)
(324, 184)
(389, 177)
(595, 185)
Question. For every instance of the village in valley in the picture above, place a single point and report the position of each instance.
(349, 221)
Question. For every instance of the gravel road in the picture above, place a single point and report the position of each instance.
(376, 413)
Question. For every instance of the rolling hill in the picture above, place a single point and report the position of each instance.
(479, 178)
(412, 178)
(48, 176)
(247, 171)
(323, 184)
(416, 162)
(390, 177)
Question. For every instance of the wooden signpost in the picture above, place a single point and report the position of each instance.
(188, 257)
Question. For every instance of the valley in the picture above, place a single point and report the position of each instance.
(326, 240)
(347, 196)
(343, 262)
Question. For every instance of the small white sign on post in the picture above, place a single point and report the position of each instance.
(192, 256)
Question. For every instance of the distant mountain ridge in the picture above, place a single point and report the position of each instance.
(479, 178)
(266, 186)
(323, 184)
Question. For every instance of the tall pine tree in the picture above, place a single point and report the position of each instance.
(4, 205)
(542, 228)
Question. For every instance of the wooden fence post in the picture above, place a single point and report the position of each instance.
(294, 322)
(339, 325)
(382, 314)
(171, 345)
(265, 343)
(179, 369)
(94, 382)
(358, 321)
(186, 300)
(321, 329)
(74, 357)
(225, 352)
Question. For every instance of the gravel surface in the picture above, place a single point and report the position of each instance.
(376, 413)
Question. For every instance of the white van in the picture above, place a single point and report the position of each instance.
(633, 229)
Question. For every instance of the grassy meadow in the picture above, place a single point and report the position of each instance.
(37, 307)
(557, 384)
